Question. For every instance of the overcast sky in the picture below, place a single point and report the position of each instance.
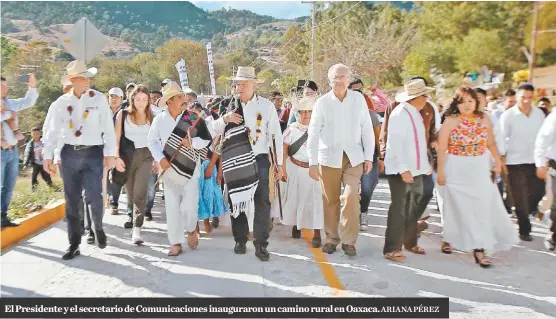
(277, 9)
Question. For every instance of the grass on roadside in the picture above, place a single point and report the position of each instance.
(25, 201)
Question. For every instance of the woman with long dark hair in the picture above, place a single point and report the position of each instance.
(133, 155)
(474, 216)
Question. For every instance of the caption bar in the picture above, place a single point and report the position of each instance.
(224, 307)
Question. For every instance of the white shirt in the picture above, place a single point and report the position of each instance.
(157, 110)
(545, 144)
(406, 149)
(136, 133)
(16, 105)
(269, 125)
(162, 127)
(97, 128)
(519, 133)
(340, 126)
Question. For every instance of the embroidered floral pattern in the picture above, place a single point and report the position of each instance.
(469, 138)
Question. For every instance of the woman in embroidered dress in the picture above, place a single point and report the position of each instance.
(474, 216)
(301, 195)
(133, 124)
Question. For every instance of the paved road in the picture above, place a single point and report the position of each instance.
(521, 284)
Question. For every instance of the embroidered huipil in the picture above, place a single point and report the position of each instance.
(96, 129)
(406, 149)
(469, 138)
(294, 133)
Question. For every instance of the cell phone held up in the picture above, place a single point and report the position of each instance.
(24, 78)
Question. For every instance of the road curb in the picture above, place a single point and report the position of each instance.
(31, 226)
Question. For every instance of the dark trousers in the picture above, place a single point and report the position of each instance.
(368, 185)
(527, 190)
(85, 211)
(507, 203)
(404, 212)
(38, 169)
(137, 184)
(82, 170)
(553, 208)
(261, 222)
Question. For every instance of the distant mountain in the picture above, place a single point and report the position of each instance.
(146, 25)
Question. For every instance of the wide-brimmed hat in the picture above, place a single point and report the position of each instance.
(169, 91)
(304, 104)
(77, 69)
(246, 73)
(413, 89)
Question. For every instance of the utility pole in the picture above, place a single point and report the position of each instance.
(533, 41)
(313, 40)
(313, 37)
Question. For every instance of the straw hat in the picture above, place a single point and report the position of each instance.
(246, 73)
(169, 91)
(304, 104)
(413, 89)
(77, 69)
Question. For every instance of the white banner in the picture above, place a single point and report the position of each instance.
(182, 71)
(211, 68)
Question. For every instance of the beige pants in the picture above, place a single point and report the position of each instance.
(348, 216)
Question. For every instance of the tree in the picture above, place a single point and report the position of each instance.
(481, 47)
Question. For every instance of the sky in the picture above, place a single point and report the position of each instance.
(277, 9)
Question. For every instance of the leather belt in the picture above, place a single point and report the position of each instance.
(82, 147)
(299, 163)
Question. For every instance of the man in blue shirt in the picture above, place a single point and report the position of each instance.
(10, 153)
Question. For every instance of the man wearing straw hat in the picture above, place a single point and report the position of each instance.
(250, 127)
(406, 164)
(81, 125)
(180, 165)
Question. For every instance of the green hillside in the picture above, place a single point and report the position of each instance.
(146, 25)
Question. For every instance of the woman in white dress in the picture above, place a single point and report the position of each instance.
(474, 215)
(301, 195)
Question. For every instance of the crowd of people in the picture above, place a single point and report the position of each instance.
(310, 161)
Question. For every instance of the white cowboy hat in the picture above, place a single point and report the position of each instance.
(305, 104)
(77, 69)
(413, 89)
(169, 91)
(246, 73)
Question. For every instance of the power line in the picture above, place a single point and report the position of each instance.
(315, 27)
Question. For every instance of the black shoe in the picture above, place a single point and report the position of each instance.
(72, 252)
(129, 223)
(101, 238)
(349, 250)
(296, 233)
(329, 248)
(316, 243)
(215, 222)
(8, 223)
(91, 237)
(148, 216)
(526, 237)
(262, 253)
(240, 248)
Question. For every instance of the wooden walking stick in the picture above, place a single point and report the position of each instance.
(277, 181)
(178, 149)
